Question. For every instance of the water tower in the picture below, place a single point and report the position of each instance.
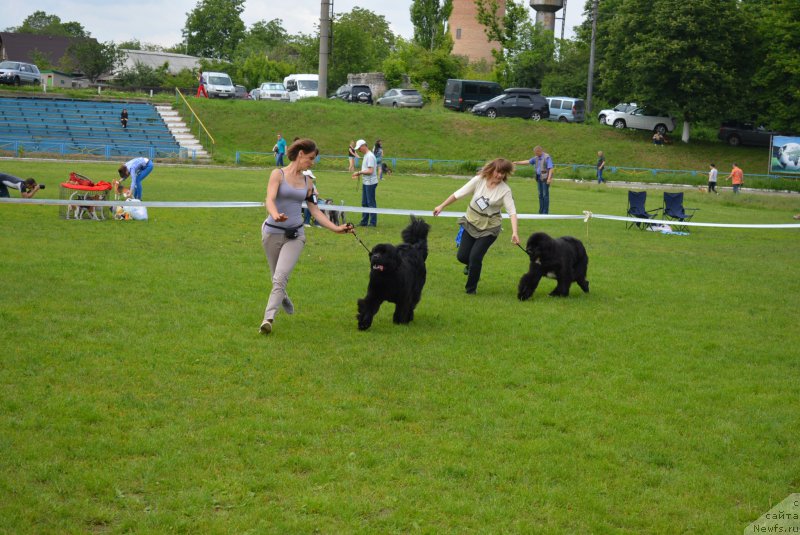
(546, 12)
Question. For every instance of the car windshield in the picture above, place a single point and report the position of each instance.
(497, 98)
(219, 80)
(308, 85)
(276, 87)
(9, 65)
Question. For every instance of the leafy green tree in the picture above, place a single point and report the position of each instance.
(567, 75)
(680, 57)
(519, 42)
(214, 28)
(428, 70)
(92, 58)
(257, 69)
(356, 50)
(142, 75)
(774, 96)
(429, 18)
(41, 23)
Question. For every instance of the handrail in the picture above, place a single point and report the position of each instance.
(178, 91)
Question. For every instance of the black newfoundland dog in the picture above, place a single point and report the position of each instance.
(397, 275)
(563, 259)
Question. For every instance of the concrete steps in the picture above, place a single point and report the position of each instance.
(181, 132)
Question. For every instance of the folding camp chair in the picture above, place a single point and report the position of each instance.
(674, 210)
(636, 202)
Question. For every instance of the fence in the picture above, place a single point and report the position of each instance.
(431, 165)
(21, 148)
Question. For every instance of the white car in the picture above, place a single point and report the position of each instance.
(272, 91)
(622, 106)
(642, 119)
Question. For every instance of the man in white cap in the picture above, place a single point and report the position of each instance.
(369, 183)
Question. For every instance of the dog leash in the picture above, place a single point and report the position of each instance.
(353, 231)
(524, 250)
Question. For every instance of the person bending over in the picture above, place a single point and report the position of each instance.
(27, 187)
(137, 169)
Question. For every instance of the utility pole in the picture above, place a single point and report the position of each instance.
(324, 45)
(590, 83)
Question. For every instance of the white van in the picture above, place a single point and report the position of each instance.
(219, 85)
(301, 86)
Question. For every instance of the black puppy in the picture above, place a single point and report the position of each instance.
(397, 275)
(563, 259)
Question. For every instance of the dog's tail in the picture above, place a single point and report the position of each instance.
(416, 232)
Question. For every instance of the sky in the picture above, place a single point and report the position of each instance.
(160, 22)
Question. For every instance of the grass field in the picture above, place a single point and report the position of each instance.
(136, 395)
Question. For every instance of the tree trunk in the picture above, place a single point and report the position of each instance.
(685, 134)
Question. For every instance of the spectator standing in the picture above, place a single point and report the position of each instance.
(483, 221)
(712, 179)
(377, 150)
(280, 150)
(351, 156)
(601, 165)
(369, 183)
(27, 187)
(737, 178)
(137, 169)
(282, 234)
(543, 166)
(201, 87)
(123, 118)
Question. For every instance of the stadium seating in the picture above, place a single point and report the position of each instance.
(67, 126)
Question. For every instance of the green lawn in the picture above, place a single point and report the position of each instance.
(137, 396)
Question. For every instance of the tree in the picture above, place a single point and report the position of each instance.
(428, 70)
(355, 50)
(774, 96)
(214, 28)
(257, 69)
(429, 18)
(92, 58)
(41, 23)
(682, 57)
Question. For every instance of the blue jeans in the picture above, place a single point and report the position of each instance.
(736, 188)
(600, 176)
(544, 196)
(279, 159)
(136, 184)
(368, 201)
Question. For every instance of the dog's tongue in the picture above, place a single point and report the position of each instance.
(378, 267)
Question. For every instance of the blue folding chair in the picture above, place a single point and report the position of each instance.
(636, 208)
(675, 211)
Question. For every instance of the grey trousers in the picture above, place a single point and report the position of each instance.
(282, 254)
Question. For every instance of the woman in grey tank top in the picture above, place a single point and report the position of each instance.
(282, 234)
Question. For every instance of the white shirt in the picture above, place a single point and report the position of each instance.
(486, 203)
(369, 161)
(712, 175)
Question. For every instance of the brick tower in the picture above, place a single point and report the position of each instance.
(468, 34)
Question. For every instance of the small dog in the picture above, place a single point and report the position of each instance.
(397, 275)
(563, 259)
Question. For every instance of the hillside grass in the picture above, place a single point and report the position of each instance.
(137, 396)
(437, 133)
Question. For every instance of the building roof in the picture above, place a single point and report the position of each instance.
(176, 62)
(21, 46)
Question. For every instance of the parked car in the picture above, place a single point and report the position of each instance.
(17, 73)
(218, 85)
(642, 119)
(241, 92)
(360, 93)
(622, 106)
(515, 102)
(272, 91)
(462, 95)
(566, 109)
(401, 98)
(736, 133)
(301, 86)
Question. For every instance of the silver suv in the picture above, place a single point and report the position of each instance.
(16, 73)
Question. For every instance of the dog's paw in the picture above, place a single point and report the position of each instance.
(524, 294)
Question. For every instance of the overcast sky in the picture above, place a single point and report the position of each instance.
(160, 22)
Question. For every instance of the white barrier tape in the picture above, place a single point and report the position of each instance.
(586, 216)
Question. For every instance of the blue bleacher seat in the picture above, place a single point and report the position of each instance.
(83, 126)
